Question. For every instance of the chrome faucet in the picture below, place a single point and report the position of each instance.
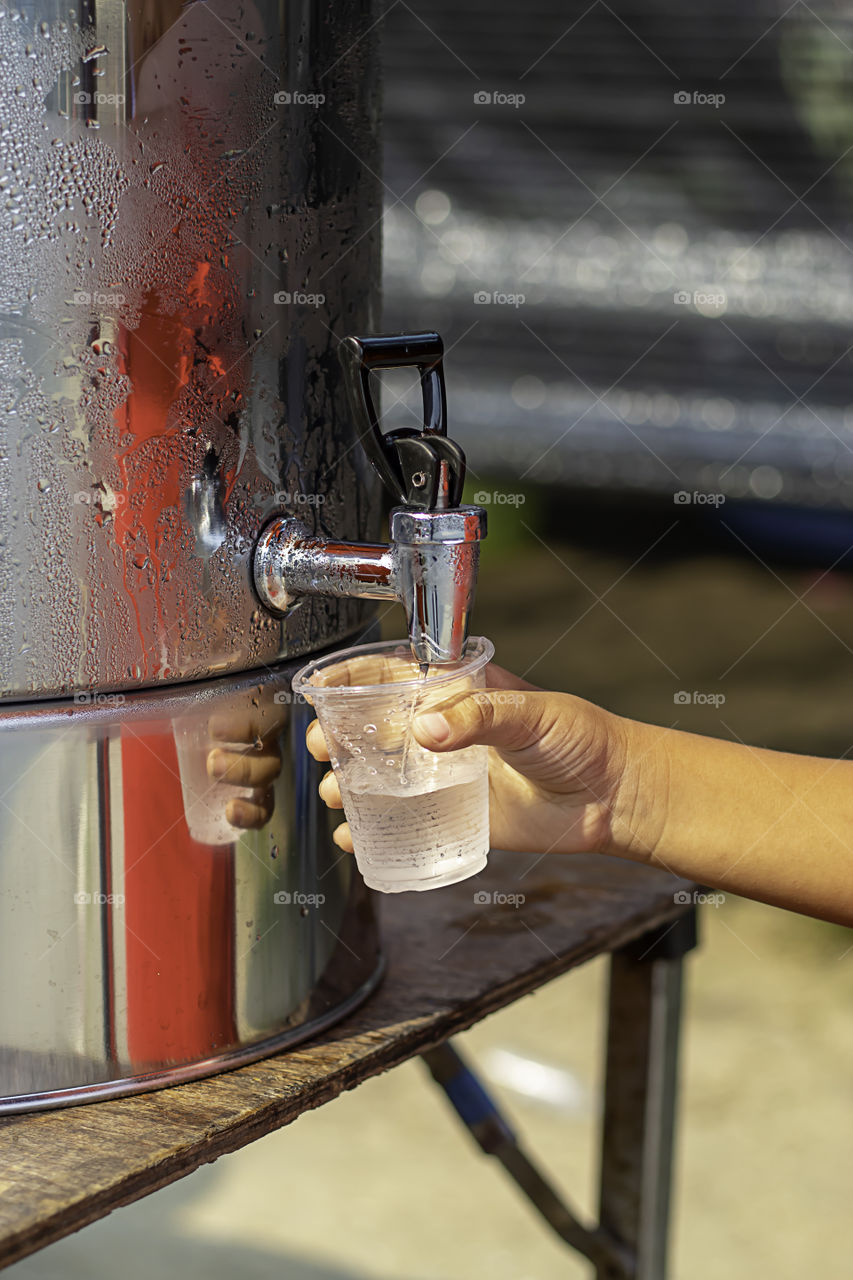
(430, 565)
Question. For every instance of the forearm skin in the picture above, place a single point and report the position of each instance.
(764, 824)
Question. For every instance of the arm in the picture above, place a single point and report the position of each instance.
(566, 776)
(764, 824)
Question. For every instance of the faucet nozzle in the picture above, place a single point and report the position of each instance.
(431, 563)
(436, 556)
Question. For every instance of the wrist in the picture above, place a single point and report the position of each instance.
(640, 790)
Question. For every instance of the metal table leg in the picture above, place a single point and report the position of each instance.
(640, 1097)
(629, 1242)
(488, 1126)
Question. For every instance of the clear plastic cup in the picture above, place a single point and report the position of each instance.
(419, 819)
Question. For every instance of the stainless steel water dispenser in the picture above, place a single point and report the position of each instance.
(189, 225)
(189, 243)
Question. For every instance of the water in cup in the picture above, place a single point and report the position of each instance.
(429, 830)
(419, 819)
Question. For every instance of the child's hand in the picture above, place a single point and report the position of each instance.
(557, 766)
(567, 777)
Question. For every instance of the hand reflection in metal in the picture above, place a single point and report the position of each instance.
(257, 767)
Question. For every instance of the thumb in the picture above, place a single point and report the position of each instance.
(504, 718)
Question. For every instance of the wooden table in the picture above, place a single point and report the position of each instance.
(451, 961)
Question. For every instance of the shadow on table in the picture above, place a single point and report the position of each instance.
(170, 1255)
(148, 1239)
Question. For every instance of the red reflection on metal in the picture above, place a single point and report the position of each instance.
(178, 914)
(180, 386)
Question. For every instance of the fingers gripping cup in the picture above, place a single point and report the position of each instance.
(419, 819)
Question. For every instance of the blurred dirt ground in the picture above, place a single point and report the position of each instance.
(382, 1183)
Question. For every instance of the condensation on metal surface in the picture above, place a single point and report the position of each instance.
(186, 231)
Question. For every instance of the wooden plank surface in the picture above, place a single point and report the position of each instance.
(451, 960)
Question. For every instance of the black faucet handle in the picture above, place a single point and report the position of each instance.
(420, 468)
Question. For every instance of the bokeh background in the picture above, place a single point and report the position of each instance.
(637, 248)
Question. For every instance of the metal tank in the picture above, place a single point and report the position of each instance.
(189, 247)
(189, 226)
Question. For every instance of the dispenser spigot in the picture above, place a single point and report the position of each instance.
(430, 565)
